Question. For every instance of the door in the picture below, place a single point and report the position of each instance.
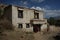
(36, 27)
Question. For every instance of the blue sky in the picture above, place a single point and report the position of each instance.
(51, 7)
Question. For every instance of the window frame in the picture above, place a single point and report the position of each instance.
(20, 13)
(27, 25)
(20, 25)
(36, 14)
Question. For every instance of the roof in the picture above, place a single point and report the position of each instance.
(25, 8)
(28, 8)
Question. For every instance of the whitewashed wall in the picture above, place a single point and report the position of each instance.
(27, 16)
(44, 27)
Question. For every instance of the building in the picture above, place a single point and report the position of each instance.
(25, 18)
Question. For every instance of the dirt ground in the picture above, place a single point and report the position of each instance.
(47, 35)
(19, 35)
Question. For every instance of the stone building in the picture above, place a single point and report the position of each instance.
(25, 18)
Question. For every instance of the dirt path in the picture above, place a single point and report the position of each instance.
(47, 36)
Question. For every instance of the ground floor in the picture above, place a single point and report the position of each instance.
(32, 27)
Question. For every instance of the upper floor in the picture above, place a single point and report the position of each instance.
(26, 13)
(21, 14)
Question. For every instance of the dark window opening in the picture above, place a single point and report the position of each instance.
(20, 13)
(36, 15)
(20, 26)
(27, 25)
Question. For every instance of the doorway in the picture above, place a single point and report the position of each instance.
(36, 27)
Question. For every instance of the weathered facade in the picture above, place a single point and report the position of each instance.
(25, 18)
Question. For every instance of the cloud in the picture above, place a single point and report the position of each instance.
(52, 13)
(23, 3)
(52, 10)
(37, 8)
(38, 0)
(34, 0)
(33, 7)
(41, 8)
(47, 7)
(48, 13)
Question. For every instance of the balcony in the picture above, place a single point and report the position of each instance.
(38, 21)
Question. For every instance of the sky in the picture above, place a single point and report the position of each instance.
(50, 7)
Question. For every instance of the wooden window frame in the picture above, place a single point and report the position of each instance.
(36, 15)
(27, 25)
(20, 13)
(20, 25)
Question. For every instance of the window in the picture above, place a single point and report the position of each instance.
(36, 15)
(20, 26)
(20, 13)
(27, 25)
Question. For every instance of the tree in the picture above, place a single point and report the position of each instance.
(57, 23)
(51, 21)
